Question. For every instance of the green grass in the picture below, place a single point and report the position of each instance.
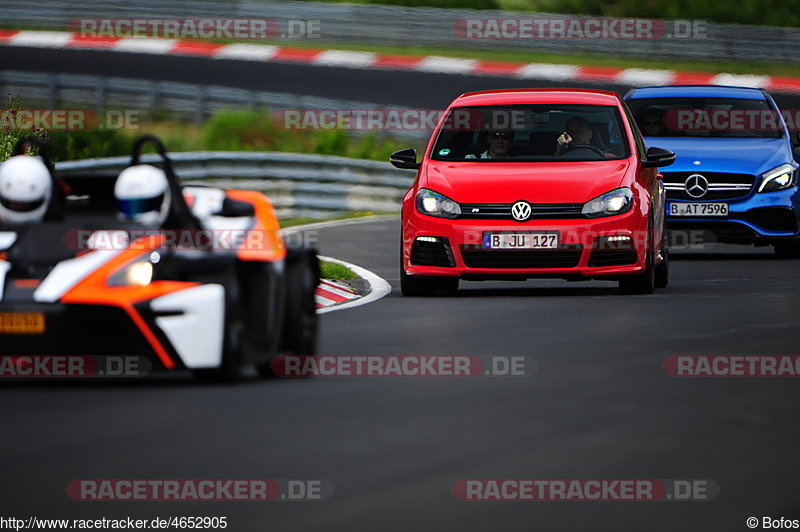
(762, 12)
(292, 222)
(336, 272)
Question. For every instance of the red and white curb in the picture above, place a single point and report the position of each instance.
(334, 296)
(367, 60)
(330, 293)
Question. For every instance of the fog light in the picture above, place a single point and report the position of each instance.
(431, 239)
(618, 238)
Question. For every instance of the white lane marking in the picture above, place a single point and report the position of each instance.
(344, 58)
(548, 71)
(143, 45)
(446, 65)
(741, 80)
(645, 76)
(343, 221)
(41, 39)
(378, 287)
(249, 52)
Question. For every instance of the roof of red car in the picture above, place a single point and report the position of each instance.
(542, 96)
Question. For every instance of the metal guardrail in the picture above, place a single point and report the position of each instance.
(299, 185)
(404, 26)
(181, 100)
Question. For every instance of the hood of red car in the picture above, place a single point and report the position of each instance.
(556, 182)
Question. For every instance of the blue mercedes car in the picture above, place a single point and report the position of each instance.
(736, 168)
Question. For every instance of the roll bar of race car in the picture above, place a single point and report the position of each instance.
(180, 215)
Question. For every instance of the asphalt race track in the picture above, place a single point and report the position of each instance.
(596, 404)
(390, 87)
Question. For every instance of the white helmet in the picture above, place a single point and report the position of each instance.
(25, 190)
(142, 193)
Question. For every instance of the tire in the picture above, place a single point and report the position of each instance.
(415, 286)
(643, 283)
(788, 250)
(662, 270)
(299, 333)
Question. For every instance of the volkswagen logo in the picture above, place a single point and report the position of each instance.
(696, 185)
(521, 211)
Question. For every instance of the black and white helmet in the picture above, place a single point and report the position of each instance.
(25, 190)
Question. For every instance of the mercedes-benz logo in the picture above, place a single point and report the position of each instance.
(521, 211)
(696, 185)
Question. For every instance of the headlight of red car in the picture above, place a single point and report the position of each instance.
(617, 201)
(435, 204)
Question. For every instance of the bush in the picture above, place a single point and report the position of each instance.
(240, 131)
(70, 145)
(763, 12)
(11, 133)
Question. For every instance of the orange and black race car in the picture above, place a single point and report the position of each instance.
(212, 289)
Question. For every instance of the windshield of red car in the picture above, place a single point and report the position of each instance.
(706, 117)
(516, 133)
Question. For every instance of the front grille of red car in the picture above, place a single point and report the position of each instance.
(502, 211)
(563, 257)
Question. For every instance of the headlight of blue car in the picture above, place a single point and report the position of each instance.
(779, 178)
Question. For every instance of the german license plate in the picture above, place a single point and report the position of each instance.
(21, 323)
(698, 209)
(520, 240)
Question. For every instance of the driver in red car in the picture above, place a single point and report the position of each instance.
(578, 134)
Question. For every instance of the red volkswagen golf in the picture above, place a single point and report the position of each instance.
(526, 183)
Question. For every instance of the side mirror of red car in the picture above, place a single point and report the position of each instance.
(406, 159)
(658, 157)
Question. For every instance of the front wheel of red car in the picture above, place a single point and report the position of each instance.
(643, 283)
(416, 286)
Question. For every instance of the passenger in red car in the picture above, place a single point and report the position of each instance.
(499, 145)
